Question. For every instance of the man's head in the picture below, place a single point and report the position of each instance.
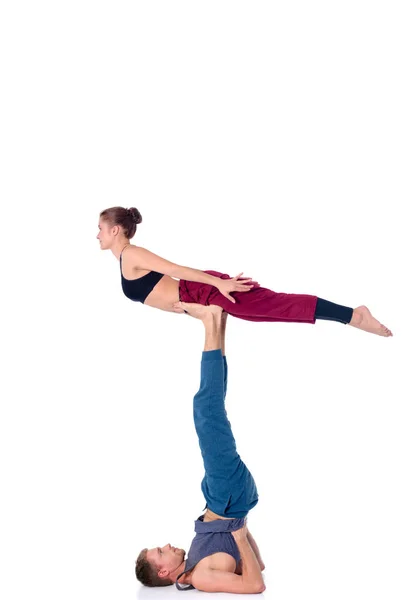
(159, 566)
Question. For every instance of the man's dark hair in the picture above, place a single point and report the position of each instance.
(146, 573)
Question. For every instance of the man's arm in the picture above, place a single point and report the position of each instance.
(251, 580)
(212, 580)
(251, 571)
(255, 549)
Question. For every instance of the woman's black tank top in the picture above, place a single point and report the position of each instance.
(138, 289)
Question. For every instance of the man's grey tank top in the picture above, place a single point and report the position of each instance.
(211, 537)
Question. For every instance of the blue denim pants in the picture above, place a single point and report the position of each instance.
(228, 486)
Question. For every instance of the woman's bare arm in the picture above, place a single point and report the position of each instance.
(140, 258)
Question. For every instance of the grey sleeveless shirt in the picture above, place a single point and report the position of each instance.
(211, 537)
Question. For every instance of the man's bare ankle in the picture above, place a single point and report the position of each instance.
(212, 318)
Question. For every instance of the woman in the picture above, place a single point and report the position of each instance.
(150, 279)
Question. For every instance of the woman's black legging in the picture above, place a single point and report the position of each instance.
(328, 311)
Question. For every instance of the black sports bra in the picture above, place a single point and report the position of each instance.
(138, 289)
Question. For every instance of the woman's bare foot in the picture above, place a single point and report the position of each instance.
(198, 310)
(363, 319)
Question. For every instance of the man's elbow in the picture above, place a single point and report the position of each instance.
(257, 588)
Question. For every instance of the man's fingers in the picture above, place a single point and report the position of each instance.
(179, 307)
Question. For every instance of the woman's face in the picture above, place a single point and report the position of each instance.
(106, 234)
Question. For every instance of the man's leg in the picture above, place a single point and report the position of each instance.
(212, 320)
(222, 341)
(228, 486)
(223, 332)
(250, 538)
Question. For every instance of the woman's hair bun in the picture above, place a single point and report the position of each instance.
(136, 216)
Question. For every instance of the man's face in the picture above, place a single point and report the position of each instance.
(106, 234)
(165, 558)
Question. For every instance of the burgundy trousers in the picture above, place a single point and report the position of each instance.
(259, 304)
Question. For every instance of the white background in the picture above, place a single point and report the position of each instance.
(273, 139)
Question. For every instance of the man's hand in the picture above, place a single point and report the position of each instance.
(255, 549)
(240, 534)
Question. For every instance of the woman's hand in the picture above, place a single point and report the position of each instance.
(236, 284)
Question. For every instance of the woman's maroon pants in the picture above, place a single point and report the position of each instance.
(259, 304)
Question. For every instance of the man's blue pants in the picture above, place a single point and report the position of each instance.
(228, 486)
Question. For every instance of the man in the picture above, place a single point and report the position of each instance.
(223, 556)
